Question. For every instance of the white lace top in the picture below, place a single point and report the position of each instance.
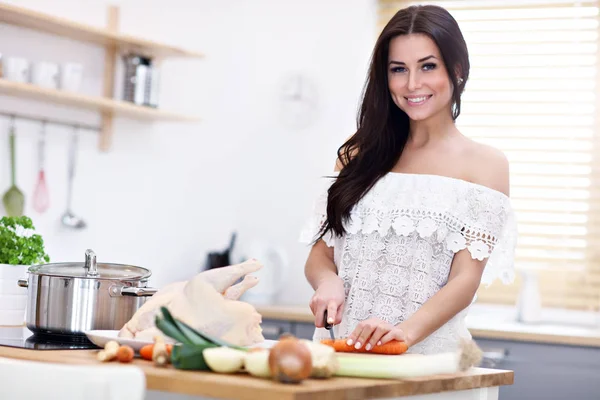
(400, 243)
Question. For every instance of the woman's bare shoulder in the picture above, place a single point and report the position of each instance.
(487, 166)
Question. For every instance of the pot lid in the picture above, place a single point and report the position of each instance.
(91, 269)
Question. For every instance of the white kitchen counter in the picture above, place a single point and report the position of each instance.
(492, 322)
(553, 326)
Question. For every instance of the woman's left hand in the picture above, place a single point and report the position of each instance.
(374, 331)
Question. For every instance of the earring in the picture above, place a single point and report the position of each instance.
(460, 81)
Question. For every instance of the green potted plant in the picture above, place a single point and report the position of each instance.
(20, 248)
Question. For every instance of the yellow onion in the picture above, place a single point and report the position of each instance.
(290, 361)
(256, 363)
(224, 359)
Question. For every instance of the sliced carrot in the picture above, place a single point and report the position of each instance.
(125, 354)
(147, 350)
(391, 347)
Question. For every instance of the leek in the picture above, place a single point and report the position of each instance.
(187, 354)
(170, 330)
(397, 366)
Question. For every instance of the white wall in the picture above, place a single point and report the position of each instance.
(167, 193)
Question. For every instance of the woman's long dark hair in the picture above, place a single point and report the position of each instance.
(383, 128)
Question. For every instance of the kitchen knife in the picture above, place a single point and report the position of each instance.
(329, 326)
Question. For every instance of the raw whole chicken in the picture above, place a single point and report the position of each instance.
(209, 303)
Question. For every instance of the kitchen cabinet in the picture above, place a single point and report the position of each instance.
(304, 330)
(273, 328)
(545, 371)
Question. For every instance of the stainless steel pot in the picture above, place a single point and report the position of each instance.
(71, 298)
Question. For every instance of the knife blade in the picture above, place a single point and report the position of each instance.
(329, 326)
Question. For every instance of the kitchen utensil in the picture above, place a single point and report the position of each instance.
(74, 297)
(216, 259)
(69, 219)
(41, 198)
(154, 86)
(137, 79)
(13, 199)
(328, 326)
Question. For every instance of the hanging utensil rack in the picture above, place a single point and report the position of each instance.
(50, 121)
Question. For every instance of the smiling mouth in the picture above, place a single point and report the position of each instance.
(417, 101)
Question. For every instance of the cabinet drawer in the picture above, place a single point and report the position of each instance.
(544, 354)
(545, 371)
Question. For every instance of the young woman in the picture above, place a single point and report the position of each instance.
(417, 215)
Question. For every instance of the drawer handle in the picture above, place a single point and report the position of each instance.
(494, 357)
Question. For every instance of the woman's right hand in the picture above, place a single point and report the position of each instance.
(330, 296)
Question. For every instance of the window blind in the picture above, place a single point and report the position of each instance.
(533, 93)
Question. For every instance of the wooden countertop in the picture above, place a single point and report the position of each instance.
(479, 328)
(245, 387)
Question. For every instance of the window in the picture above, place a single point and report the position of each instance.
(533, 92)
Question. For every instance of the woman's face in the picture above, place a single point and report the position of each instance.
(417, 77)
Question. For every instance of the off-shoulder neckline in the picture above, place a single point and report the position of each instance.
(442, 177)
(448, 178)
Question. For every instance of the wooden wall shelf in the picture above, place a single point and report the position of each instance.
(23, 17)
(94, 103)
(114, 43)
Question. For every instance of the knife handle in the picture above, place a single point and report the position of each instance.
(327, 324)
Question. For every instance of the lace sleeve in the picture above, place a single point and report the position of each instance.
(313, 224)
(484, 223)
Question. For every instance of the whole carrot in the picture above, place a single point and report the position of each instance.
(393, 347)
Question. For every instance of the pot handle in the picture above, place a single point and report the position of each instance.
(136, 291)
(23, 283)
(90, 265)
